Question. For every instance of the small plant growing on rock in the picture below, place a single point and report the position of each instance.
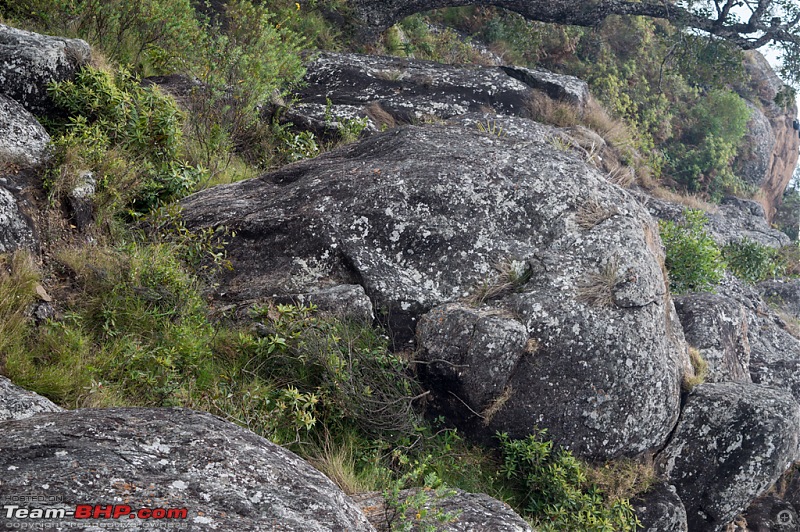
(700, 367)
(694, 260)
(512, 275)
(598, 289)
(753, 262)
(552, 488)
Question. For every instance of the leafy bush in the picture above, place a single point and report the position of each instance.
(694, 260)
(101, 112)
(552, 489)
(753, 262)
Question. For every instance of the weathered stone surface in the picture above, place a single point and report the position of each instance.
(348, 300)
(784, 293)
(774, 352)
(556, 86)
(226, 477)
(717, 326)
(390, 90)
(81, 201)
(733, 441)
(29, 61)
(769, 152)
(18, 403)
(661, 510)
(734, 220)
(23, 140)
(16, 229)
(460, 512)
(422, 216)
(771, 513)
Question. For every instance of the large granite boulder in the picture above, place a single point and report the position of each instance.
(425, 216)
(23, 140)
(733, 441)
(227, 478)
(769, 152)
(782, 293)
(16, 227)
(448, 510)
(661, 510)
(717, 327)
(29, 61)
(387, 91)
(18, 403)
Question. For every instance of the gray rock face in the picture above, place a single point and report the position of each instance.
(733, 441)
(422, 216)
(459, 510)
(774, 352)
(16, 229)
(771, 513)
(226, 477)
(81, 201)
(29, 61)
(753, 161)
(717, 326)
(23, 140)
(18, 403)
(556, 86)
(784, 293)
(661, 510)
(736, 219)
(389, 90)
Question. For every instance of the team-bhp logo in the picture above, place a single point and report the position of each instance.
(16, 516)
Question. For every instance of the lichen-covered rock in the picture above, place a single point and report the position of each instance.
(23, 140)
(449, 510)
(733, 441)
(717, 327)
(421, 216)
(387, 91)
(29, 61)
(771, 513)
(734, 220)
(81, 201)
(783, 293)
(774, 351)
(227, 478)
(661, 510)
(16, 228)
(556, 86)
(18, 403)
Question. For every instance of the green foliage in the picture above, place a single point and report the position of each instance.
(552, 488)
(787, 217)
(753, 262)
(154, 36)
(101, 112)
(694, 260)
(715, 128)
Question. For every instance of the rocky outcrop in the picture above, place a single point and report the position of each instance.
(769, 151)
(387, 91)
(29, 61)
(735, 219)
(661, 510)
(717, 327)
(18, 403)
(225, 477)
(16, 228)
(784, 294)
(23, 140)
(733, 441)
(448, 510)
(422, 217)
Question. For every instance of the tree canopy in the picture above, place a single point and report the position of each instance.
(748, 24)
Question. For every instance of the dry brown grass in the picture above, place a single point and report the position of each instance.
(546, 110)
(380, 116)
(511, 275)
(598, 288)
(689, 200)
(592, 213)
(495, 406)
(700, 367)
(622, 479)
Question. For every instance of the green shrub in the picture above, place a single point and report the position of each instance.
(103, 112)
(552, 489)
(753, 262)
(694, 261)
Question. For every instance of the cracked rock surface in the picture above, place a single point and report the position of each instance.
(226, 477)
(422, 216)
